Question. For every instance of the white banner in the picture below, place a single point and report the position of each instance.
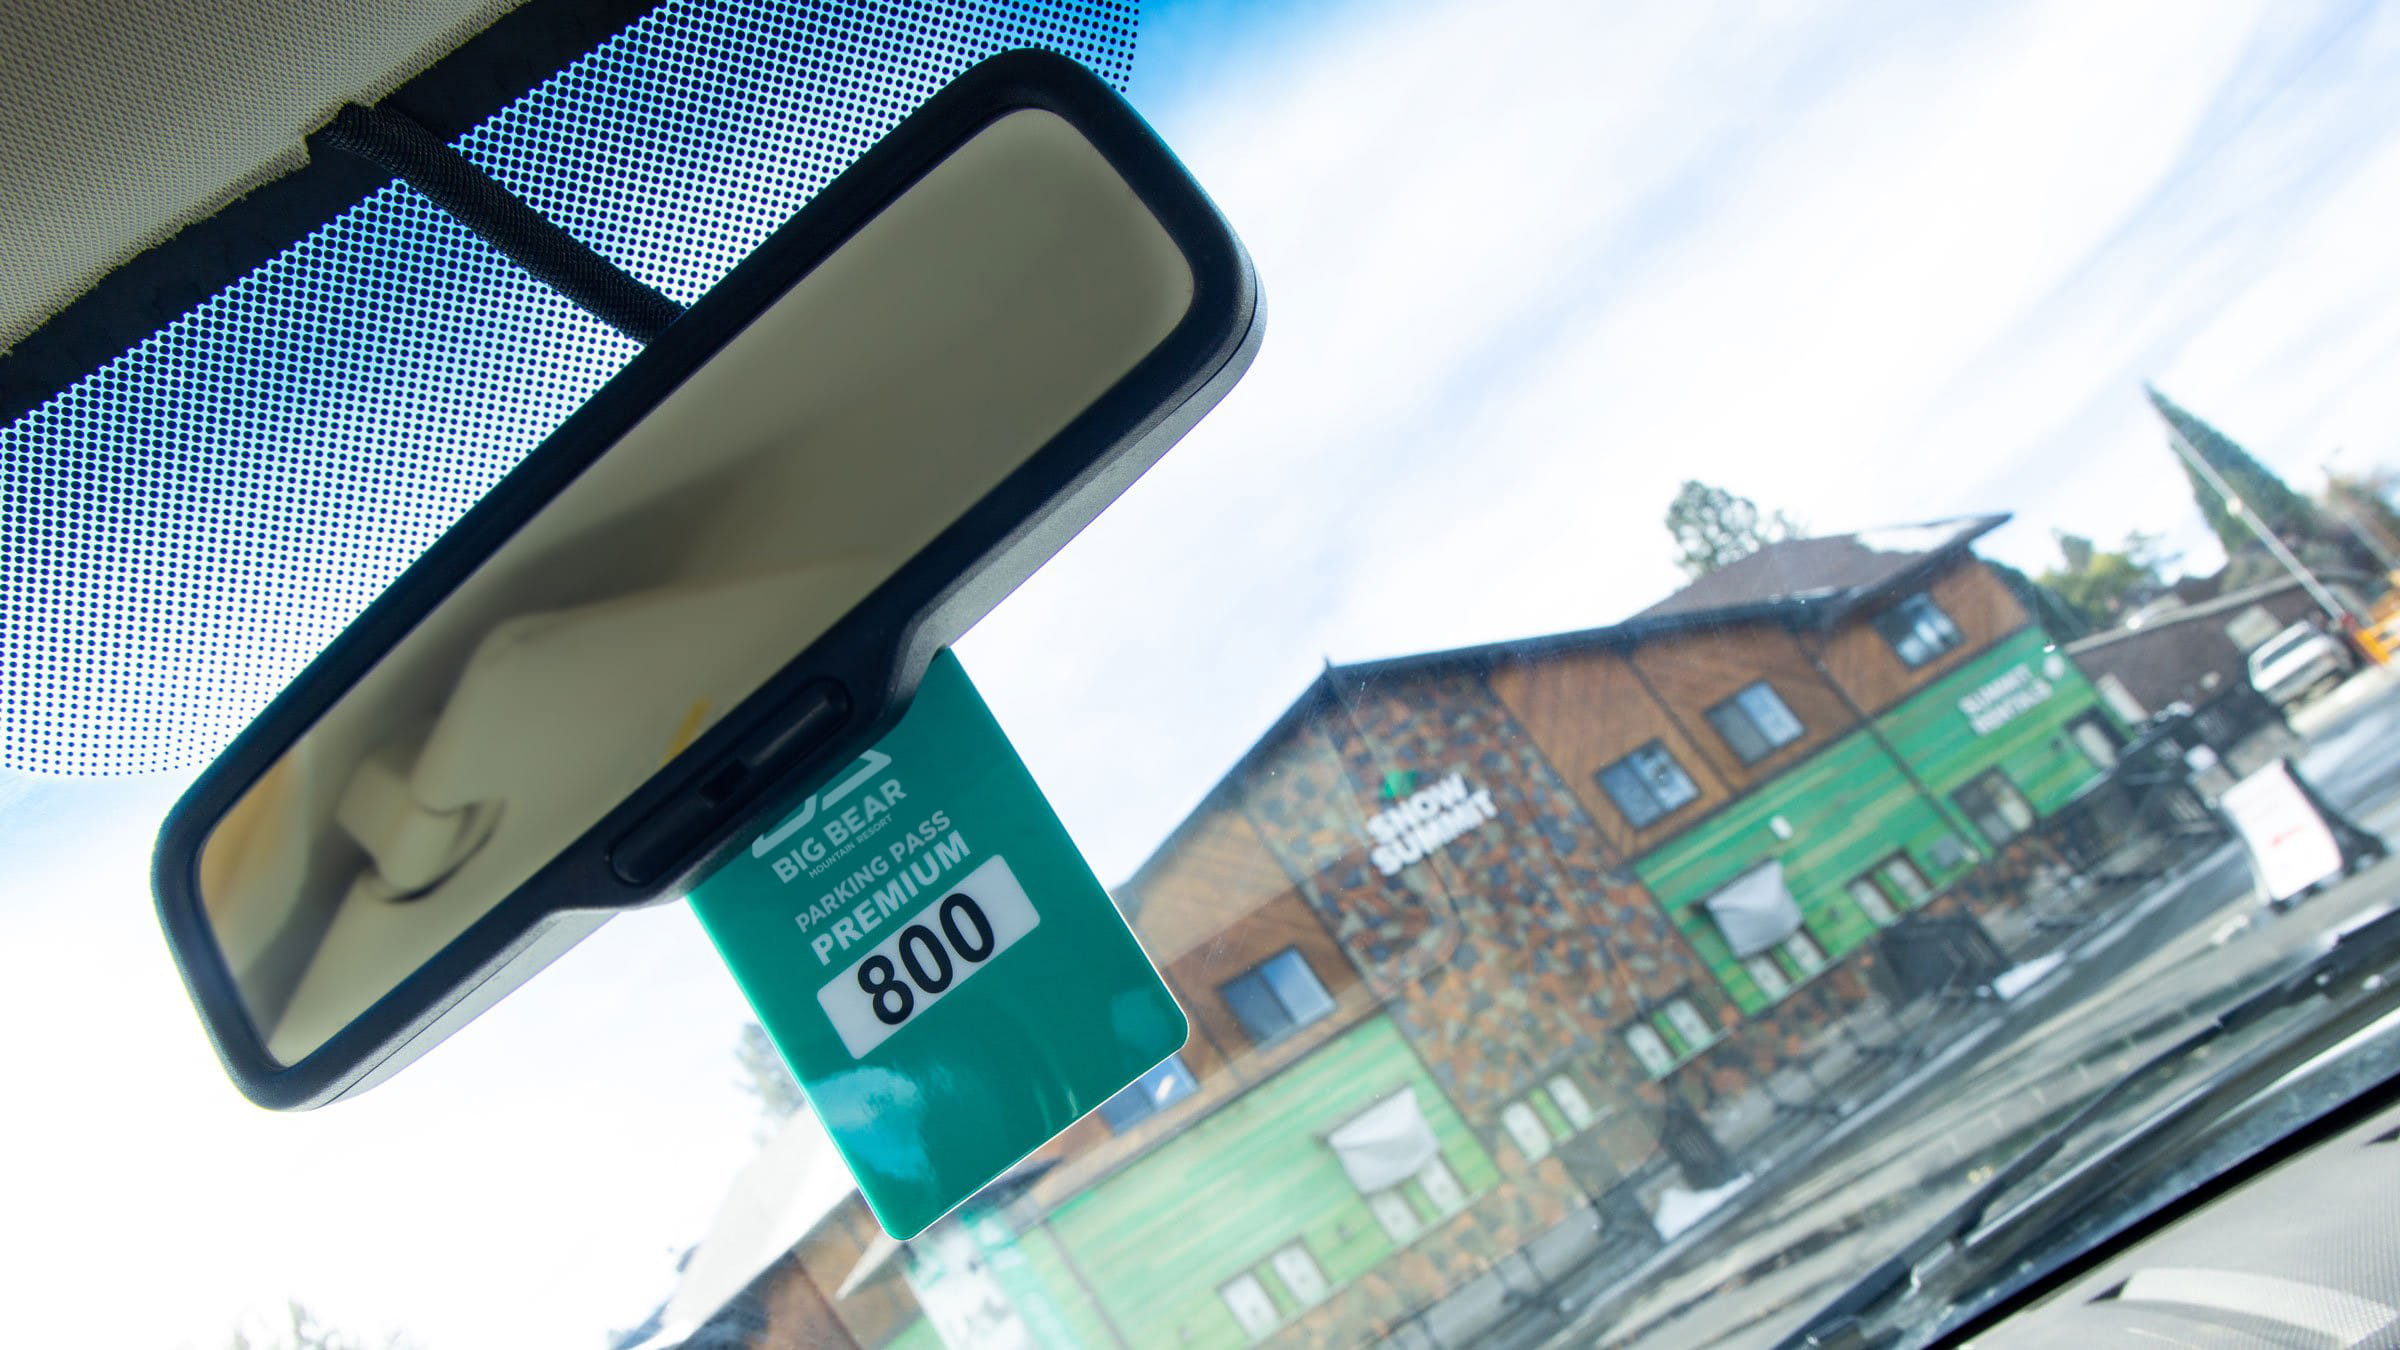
(1755, 910)
(2291, 846)
(1385, 1144)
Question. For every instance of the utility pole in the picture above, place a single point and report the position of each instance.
(2333, 608)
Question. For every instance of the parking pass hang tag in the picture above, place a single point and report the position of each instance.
(941, 970)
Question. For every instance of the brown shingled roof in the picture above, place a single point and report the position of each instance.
(1796, 582)
(1829, 566)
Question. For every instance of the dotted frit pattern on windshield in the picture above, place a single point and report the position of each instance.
(188, 526)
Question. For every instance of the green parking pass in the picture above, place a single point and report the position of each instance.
(941, 970)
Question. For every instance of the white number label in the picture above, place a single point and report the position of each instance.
(932, 954)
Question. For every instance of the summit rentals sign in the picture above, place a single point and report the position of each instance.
(1409, 829)
(2003, 699)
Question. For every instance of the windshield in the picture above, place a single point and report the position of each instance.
(2283, 646)
(1692, 705)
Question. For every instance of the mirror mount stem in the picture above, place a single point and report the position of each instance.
(392, 141)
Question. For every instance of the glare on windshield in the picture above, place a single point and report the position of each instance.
(1711, 684)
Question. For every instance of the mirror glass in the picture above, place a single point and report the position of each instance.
(862, 412)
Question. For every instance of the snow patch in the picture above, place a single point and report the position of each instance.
(2232, 928)
(1912, 538)
(2018, 978)
(1678, 1209)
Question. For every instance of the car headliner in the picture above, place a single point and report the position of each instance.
(130, 119)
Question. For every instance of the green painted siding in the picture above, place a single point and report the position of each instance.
(1042, 1258)
(1850, 807)
(1030, 1286)
(1552, 1119)
(1158, 1238)
(917, 1335)
(1937, 738)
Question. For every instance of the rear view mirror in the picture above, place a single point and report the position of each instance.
(720, 578)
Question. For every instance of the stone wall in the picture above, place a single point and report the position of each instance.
(1512, 945)
(1520, 943)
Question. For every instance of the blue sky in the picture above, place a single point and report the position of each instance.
(1528, 265)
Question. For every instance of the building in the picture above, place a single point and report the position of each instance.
(2197, 650)
(1513, 956)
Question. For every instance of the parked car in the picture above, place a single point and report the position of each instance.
(2298, 660)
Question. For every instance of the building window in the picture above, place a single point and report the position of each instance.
(1685, 1019)
(1277, 997)
(1300, 1274)
(1807, 956)
(1524, 1124)
(1395, 1215)
(1755, 722)
(1647, 784)
(1900, 873)
(1149, 1094)
(1571, 1103)
(1997, 810)
(1674, 1033)
(2096, 738)
(1896, 876)
(1442, 1188)
(2251, 628)
(1250, 1304)
(1871, 900)
(1768, 976)
(1650, 1048)
(1918, 630)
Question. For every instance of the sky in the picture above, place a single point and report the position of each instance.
(1528, 266)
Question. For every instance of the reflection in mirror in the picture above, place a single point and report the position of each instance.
(925, 359)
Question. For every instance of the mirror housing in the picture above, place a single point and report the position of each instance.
(371, 863)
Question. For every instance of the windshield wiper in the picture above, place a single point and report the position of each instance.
(1958, 1251)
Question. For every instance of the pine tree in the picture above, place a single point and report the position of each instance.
(765, 1078)
(2268, 497)
(1714, 526)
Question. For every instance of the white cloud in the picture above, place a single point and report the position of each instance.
(527, 1183)
(1530, 264)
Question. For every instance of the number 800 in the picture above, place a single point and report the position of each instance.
(926, 954)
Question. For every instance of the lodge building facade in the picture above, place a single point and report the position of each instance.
(1500, 954)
